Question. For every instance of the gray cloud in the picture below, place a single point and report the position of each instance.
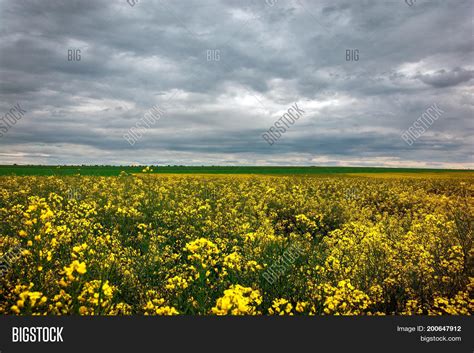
(443, 78)
(163, 53)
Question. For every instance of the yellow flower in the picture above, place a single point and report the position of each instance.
(238, 300)
(81, 268)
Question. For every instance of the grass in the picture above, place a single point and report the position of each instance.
(20, 170)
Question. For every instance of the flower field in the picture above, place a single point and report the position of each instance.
(149, 244)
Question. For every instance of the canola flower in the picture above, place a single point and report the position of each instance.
(238, 300)
(168, 245)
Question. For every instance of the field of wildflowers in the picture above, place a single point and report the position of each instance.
(150, 244)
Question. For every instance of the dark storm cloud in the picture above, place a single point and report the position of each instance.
(443, 78)
(225, 71)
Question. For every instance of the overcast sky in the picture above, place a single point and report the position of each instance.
(222, 73)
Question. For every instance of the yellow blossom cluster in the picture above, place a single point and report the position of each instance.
(238, 300)
(156, 305)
